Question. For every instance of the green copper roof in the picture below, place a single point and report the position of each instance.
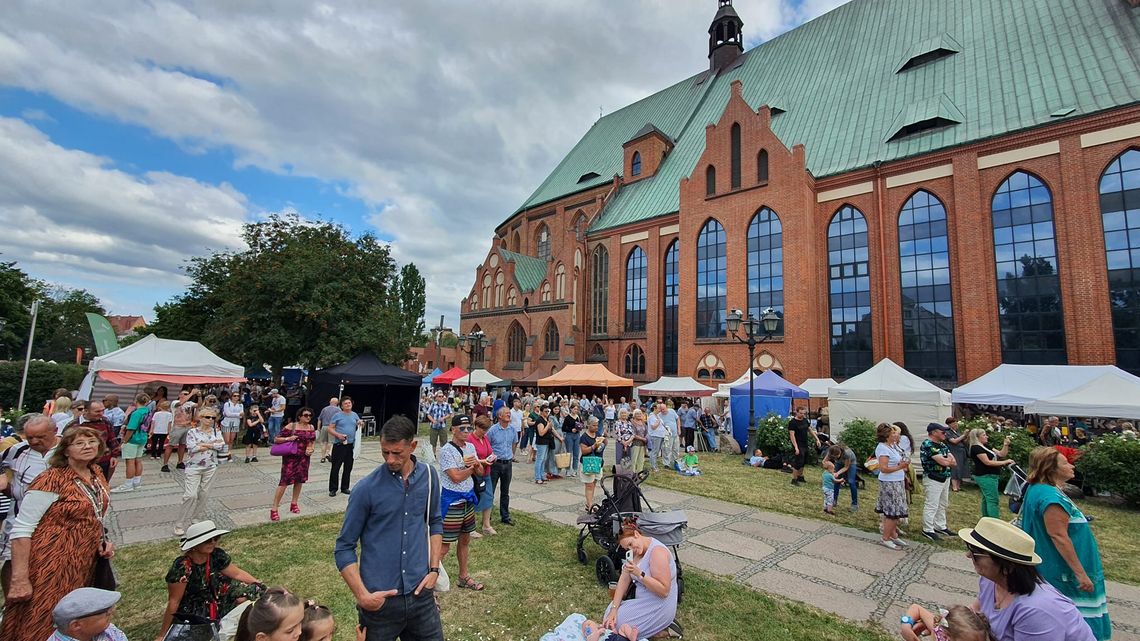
(1018, 61)
(529, 271)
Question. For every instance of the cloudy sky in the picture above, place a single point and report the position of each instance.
(134, 135)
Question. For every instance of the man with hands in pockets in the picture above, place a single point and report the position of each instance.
(390, 516)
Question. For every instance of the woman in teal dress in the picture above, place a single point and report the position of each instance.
(1070, 560)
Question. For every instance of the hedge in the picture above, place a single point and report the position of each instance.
(43, 379)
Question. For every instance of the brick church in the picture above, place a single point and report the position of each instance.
(950, 184)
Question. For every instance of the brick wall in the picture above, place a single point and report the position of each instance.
(1072, 176)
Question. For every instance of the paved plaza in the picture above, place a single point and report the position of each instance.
(834, 568)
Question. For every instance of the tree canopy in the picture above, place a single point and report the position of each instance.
(61, 326)
(303, 292)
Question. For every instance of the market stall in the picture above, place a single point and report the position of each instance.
(378, 390)
(886, 393)
(585, 377)
(768, 393)
(156, 360)
(673, 386)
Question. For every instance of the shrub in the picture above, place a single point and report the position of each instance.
(43, 379)
(1109, 463)
(859, 435)
(772, 435)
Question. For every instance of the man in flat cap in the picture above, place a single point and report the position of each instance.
(85, 615)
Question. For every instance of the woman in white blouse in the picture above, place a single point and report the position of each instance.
(203, 444)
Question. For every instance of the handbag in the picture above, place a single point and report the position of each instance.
(871, 464)
(591, 464)
(288, 448)
(562, 460)
(103, 576)
(443, 583)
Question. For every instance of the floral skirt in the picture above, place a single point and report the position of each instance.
(892, 500)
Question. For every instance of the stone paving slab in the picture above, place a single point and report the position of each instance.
(1124, 613)
(838, 575)
(699, 520)
(141, 518)
(845, 604)
(560, 498)
(262, 499)
(951, 578)
(711, 560)
(658, 496)
(527, 505)
(721, 507)
(895, 611)
(765, 530)
(565, 518)
(147, 534)
(734, 544)
(955, 560)
(870, 557)
(784, 520)
(1122, 592)
(934, 596)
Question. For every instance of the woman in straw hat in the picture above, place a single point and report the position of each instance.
(203, 584)
(1017, 601)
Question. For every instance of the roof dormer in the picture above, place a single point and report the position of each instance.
(645, 152)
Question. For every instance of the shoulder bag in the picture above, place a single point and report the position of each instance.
(443, 583)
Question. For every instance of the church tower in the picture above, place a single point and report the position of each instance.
(726, 42)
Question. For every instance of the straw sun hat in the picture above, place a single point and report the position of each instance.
(1001, 539)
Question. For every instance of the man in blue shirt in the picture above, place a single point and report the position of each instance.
(342, 433)
(504, 441)
(438, 413)
(688, 416)
(391, 516)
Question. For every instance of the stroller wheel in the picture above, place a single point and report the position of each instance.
(582, 558)
(605, 570)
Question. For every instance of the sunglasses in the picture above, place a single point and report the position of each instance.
(306, 414)
(467, 428)
(975, 552)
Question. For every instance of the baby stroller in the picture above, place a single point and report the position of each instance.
(1015, 488)
(603, 525)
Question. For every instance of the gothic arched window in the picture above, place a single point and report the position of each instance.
(927, 312)
(849, 292)
(516, 344)
(712, 271)
(1120, 212)
(600, 291)
(636, 283)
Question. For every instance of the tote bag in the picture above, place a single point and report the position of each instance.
(443, 583)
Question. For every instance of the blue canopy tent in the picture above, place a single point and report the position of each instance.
(771, 394)
(427, 379)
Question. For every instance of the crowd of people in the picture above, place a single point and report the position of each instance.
(1044, 576)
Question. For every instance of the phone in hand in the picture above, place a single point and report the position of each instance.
(629, 556)
(491, 458)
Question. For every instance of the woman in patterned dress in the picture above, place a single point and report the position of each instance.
(57, 535)
(295, 467)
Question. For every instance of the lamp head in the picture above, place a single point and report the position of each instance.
(770, 320)
(733, 320)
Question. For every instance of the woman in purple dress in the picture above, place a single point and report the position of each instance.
(294, 467)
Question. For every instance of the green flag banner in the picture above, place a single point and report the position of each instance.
(103, 333)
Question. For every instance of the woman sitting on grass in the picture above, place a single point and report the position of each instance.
(652, 569)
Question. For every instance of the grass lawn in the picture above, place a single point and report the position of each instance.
(533, 583)
(724, 478)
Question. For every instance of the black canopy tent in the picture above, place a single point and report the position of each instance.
(381, 389)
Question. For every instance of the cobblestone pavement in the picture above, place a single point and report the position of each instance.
(834, 568)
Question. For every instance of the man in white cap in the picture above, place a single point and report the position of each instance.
(85, 615)
(276, 413)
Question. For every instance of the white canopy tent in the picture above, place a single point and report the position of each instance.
(479, 378)
(675, 386)
(155, 359)
(884, 394)
(1009, 384)
(723, 389)
(1109, 394)
(817, 387)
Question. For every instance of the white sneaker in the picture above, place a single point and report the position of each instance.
(889, 544)
(899, 542)
(125, 487)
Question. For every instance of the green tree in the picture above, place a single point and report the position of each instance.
(413, 302)
(303, 292)
(62, 324)
(16, 294)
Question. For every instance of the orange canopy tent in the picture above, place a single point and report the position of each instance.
(585, 375)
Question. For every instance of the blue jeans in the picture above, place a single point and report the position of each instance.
(853, 483)
(274, 427)
(656, 446)
(540, 461)
(528, 437)
(572, 445)
(407, 616)
(710, 436)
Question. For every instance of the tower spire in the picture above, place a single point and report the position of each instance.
(726, 40)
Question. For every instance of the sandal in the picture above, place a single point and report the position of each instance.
(489, 531)
(294, 508)
(274, 516)
(539, 481)
(468, 583)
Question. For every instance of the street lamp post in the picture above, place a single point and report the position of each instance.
(756, 331)
(478, 342)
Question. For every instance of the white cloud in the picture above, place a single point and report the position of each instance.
(441, 116)
(71, 216)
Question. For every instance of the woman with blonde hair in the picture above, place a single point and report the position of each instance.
(638, 441)
(1070, 558)
(986, 468)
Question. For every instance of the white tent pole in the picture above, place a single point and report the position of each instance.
(28, 356)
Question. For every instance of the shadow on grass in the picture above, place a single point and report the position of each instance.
(533, 582)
